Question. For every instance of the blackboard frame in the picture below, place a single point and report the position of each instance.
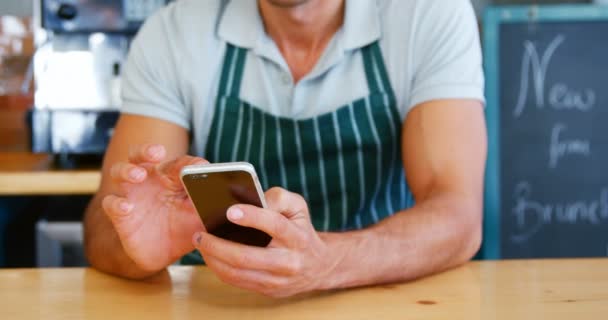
(494, 18)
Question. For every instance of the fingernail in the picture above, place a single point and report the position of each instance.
(137, 174)
(235, 213)
(155, 151)
(197, 239)
(126, 206)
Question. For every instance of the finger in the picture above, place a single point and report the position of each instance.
(269, 221)
(289, 204)
(170, 171)
(127, 172)
(258, 281)
(147, 153)
(240, 256)
(174, 167)
(116, 208)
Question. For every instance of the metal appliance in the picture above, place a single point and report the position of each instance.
(81, 46)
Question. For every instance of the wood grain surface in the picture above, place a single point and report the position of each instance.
(526, 289)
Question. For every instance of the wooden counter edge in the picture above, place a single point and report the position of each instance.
(49, 182)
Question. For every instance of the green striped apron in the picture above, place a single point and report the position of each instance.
(346, 164)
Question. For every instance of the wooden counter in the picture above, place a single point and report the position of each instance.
(23, 173)
(549, 289)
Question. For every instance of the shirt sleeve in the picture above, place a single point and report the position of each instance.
(150, 80)
(448, 54)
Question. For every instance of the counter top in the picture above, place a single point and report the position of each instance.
(524, 289)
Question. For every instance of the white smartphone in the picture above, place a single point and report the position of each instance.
(213, 188)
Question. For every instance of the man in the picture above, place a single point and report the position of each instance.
(329, 99)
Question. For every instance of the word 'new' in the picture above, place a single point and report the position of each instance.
(561, 95)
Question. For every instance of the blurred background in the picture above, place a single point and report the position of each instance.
(60, 69)
(24, 8)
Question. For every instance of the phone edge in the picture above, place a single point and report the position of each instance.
(224, 167)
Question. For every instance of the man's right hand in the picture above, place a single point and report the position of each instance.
(151, 212)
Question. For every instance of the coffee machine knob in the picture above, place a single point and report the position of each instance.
(67, 11)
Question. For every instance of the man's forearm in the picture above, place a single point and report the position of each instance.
(438, 234)
(103, 248)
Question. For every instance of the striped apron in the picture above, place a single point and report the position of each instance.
(346, 164)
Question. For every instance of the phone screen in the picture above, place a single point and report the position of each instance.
(212, 195)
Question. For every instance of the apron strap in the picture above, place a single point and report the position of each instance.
(381, 67)
(232, 71)
(375, 71)
(370, 72)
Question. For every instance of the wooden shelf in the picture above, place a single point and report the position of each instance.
(23, 173)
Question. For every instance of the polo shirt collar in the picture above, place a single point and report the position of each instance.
(241, 24)
(361, 24)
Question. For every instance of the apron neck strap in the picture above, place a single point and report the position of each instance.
(375, 70)
(234, 64)
(232, 71)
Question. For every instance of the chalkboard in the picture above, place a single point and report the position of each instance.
(547, 88)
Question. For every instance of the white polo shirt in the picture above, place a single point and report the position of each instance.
(430, 47)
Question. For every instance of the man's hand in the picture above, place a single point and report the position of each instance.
(296, 260)
(152, 214)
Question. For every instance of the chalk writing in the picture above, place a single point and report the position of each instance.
(539, 72)
(559, 148)
(561, 96)
(531, 216)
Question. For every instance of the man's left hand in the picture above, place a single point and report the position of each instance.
(297, 260)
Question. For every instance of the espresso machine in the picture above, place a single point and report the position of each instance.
(81, 46)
